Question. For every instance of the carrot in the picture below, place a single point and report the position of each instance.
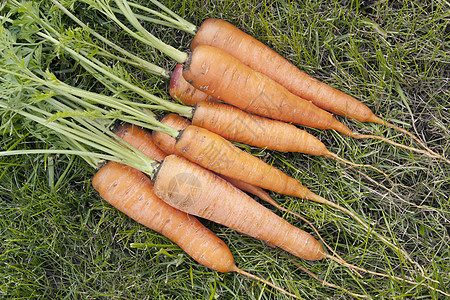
(218, 74)
(141, 140)
(215, 72)
(131, 191)
(181, 90)
(261, 102)
(251, 52)
(167, 144)
(192, 189)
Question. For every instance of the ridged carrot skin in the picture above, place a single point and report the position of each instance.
(131, 192)
(194, 190)
(217, 73)
(183, 91)
(168, 144)
(237, 125)
(215, 153)
(251, 52)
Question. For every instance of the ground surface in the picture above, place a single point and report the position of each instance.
(59, 240)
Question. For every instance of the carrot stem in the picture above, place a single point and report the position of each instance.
(154, 69)
(175, 21)
(98, 66)
(142, 35)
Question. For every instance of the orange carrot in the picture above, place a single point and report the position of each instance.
(218, 74)
(193, 189)
(238, 125)
(131, 191)
(167, 143)
(215, 72)
(138, 138)
(219, 155)
(251, 52)
(182, 91)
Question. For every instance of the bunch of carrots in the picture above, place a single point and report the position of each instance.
(190, 168)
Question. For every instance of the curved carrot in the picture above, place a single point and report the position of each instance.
(194, 190)
(238, 125)
(251, 52)
(131, 191)
(218, 74)
(182, 91)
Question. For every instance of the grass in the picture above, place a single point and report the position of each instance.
(61, 241)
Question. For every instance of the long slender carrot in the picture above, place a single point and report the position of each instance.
(265, 102)
(131, 191)
(143, 140)
(218, 74)
(215, 72)
(222, 34)
(192, 189)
